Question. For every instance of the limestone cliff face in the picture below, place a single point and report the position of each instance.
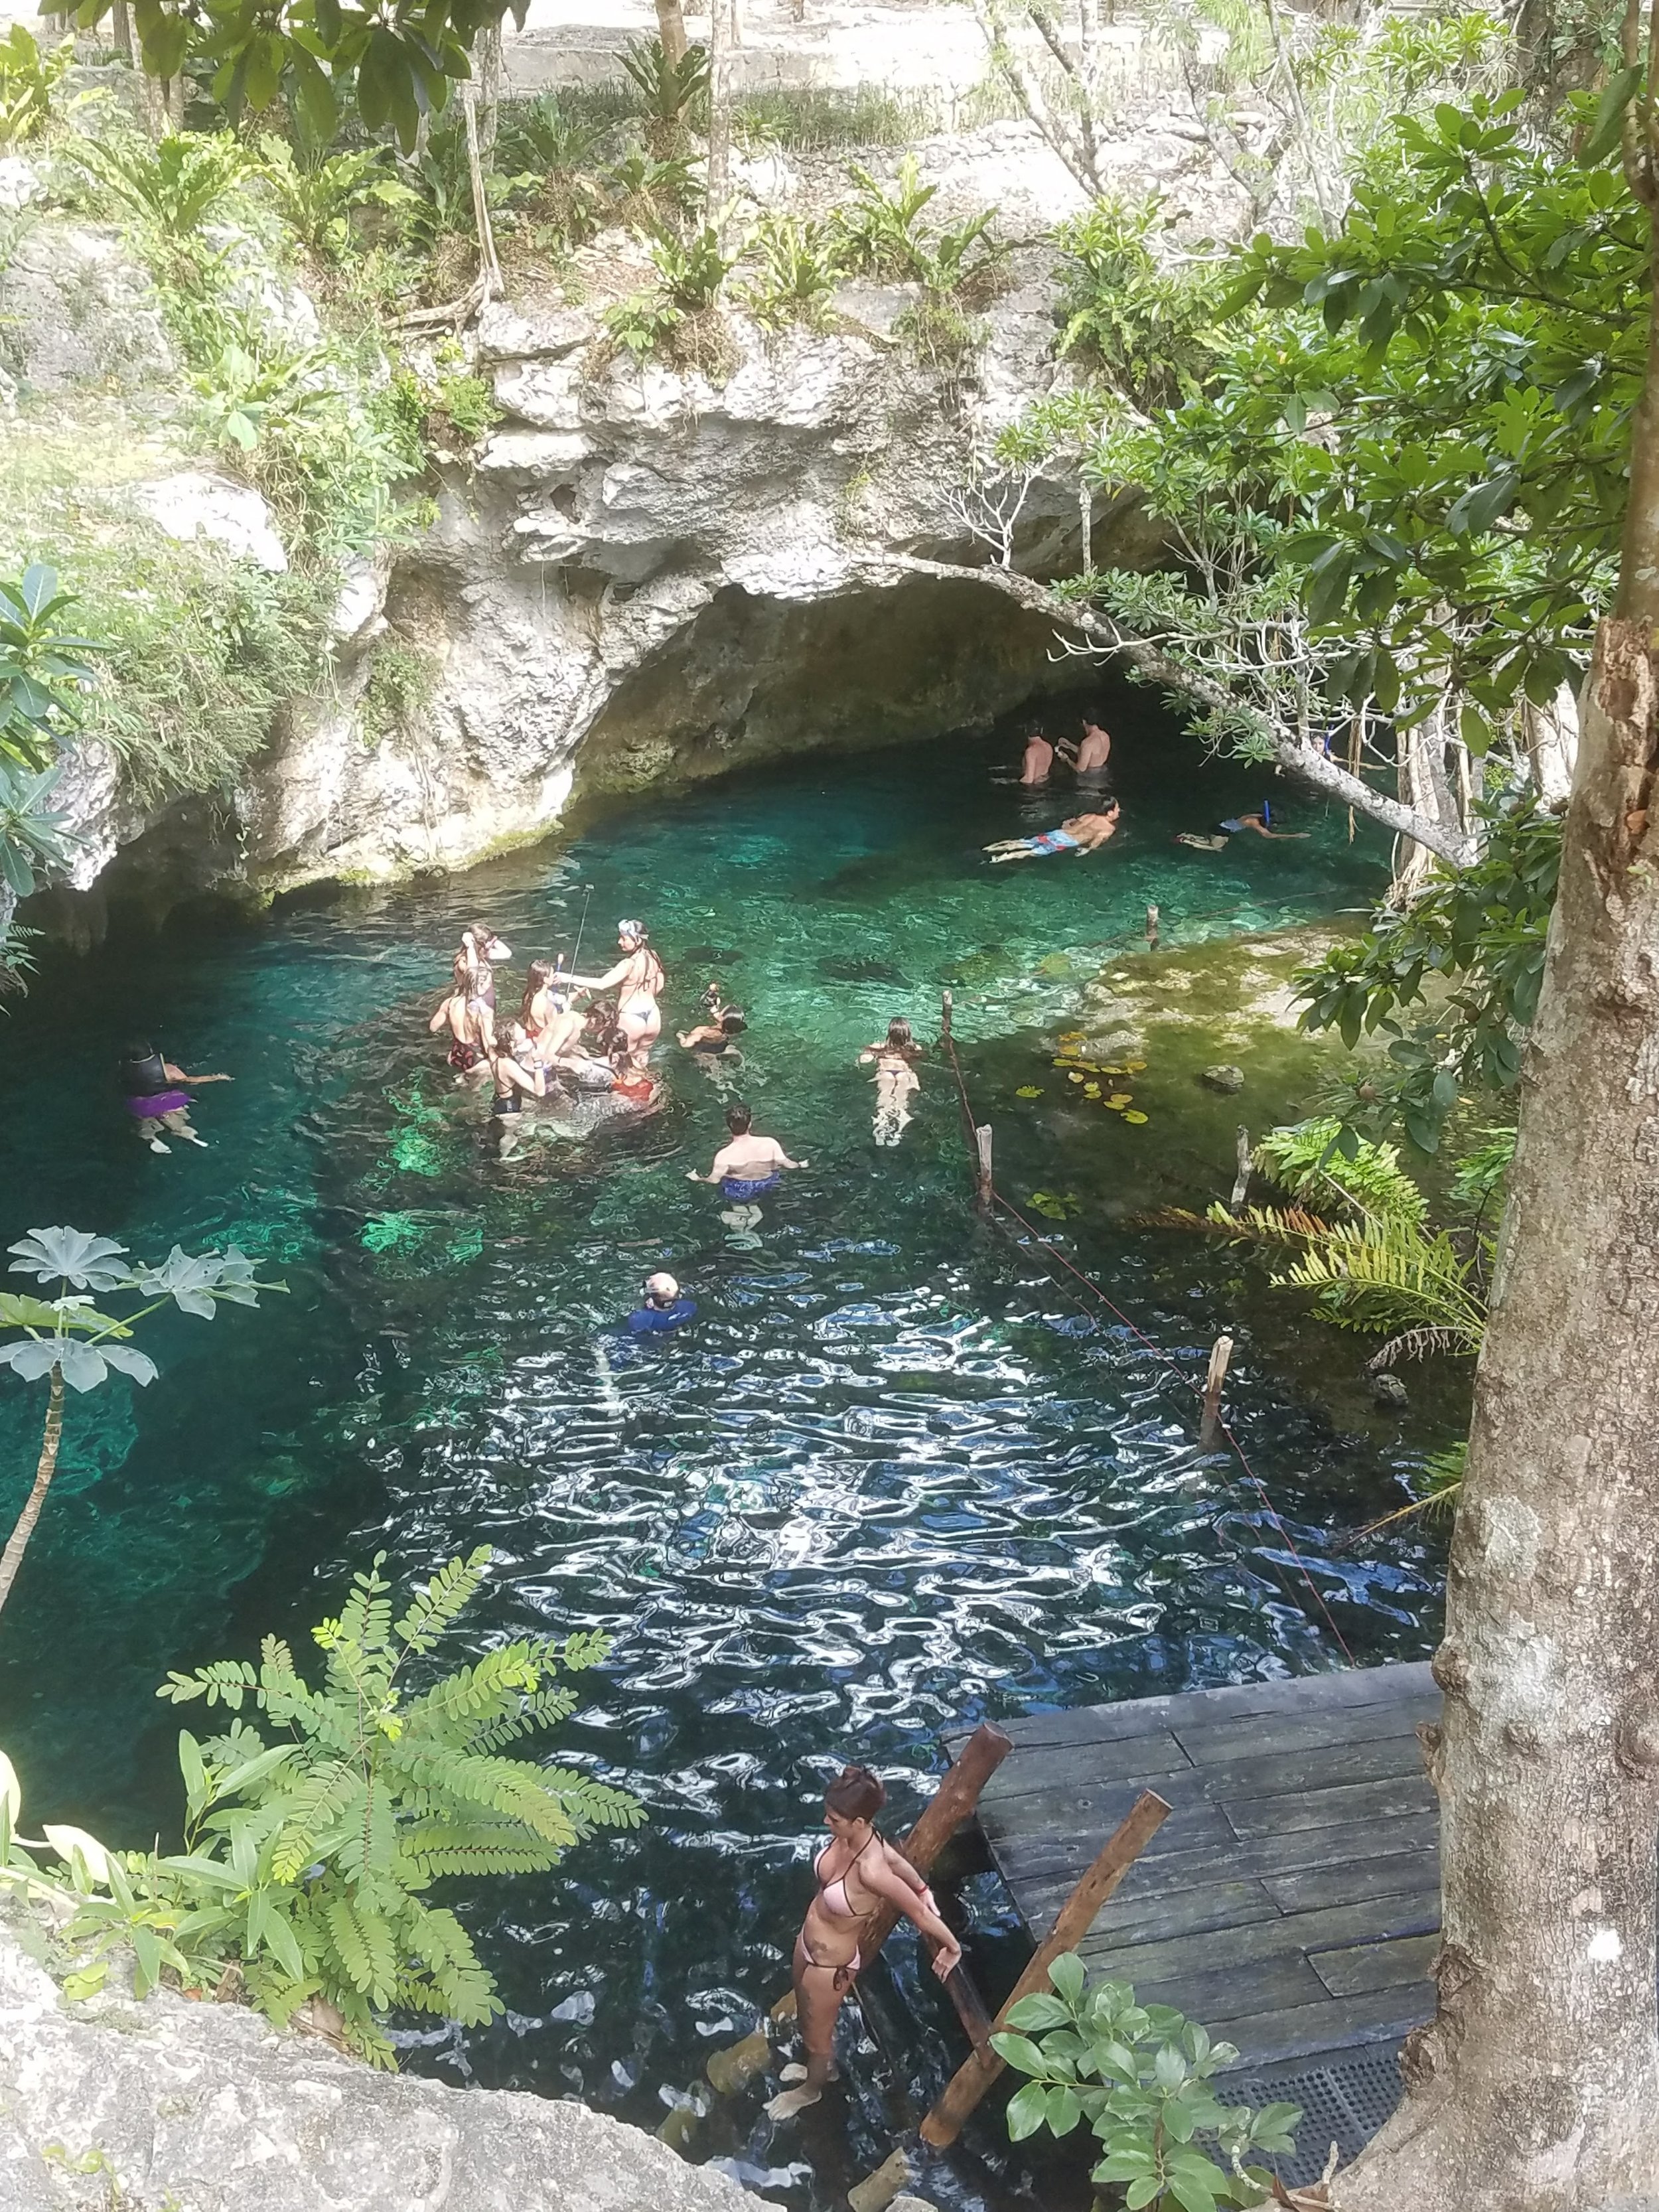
(204, 2107)
(646, 575)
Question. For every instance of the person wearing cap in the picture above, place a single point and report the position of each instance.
(661, 1308)
(639, 978)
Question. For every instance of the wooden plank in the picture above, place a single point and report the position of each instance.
(1047, 1788)
(1340, 1687)
(1213, 1744)
(1271, 1985)
(1345, 1880)
(1375, 1966)
(1185, 1913)
(1275, 1859)
(1372, 1920)
(1329, 1809)
(1068, 1835)
(1338, 2024)
(1066, 1776)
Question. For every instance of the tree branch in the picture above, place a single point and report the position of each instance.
(1306, 762)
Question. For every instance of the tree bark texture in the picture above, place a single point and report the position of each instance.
(670, 30)
(45, 1467)
(1535, 2088)
(719, 169)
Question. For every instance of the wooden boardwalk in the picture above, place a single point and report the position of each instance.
(1291, 1900)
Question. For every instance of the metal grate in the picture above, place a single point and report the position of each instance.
(1345, 2099)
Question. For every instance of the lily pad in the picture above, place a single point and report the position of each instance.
(1076, 1076)
(1028, 1090)
(1133, 1114)
(1119, 1100)
(1133, 1066)
(1091, 1091)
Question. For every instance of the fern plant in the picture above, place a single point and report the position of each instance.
(670, 92)
(174, 185)
(310, 1858)
(1324, 1164)
(880, 224)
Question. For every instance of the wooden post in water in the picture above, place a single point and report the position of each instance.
(982, 1183)
(944, 1018)
(1151, 928)
(1209, 1427)
(1242, 1180)
(952, 1801)
(1076, 1916)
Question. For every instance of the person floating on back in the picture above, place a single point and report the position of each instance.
(150, 1086)
(747, 1165)
(661, 1308)
(1038, 759)
(1084, 833)
(1259, 824)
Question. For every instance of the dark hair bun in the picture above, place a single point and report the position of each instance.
(855, 1794)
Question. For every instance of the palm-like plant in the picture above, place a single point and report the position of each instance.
(65, 1341)
(691, 270)
(800, 266)
(668, 90)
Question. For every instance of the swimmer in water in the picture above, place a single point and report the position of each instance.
(1038, 759)
(895, 1079)
(639, 978)
(1259, 824)
(149, 1085)
(470, 1024)
(719, 1034)
(661, 1308)
(1084, 833)
(746, 1165)
(857, 1872)
(1088, 759)
(480, 948)
(517, 1077)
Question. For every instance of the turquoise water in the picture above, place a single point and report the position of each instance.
(891, 1481)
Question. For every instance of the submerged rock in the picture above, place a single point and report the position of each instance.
(1224, 1077)
(1390, 1391)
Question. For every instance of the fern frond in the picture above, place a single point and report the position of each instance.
(1419, 1343)
(543, 1710)
(595, 1804)
(440, 1847)
(1254, 1225)
(225, 1682)
(449, 1592)
(325, 1798)
(587, 1647)
(511, 1786)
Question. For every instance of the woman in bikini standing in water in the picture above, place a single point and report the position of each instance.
(857, 1871)
(468, 1018)
(639, 979)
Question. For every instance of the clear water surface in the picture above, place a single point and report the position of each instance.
(893, 1480)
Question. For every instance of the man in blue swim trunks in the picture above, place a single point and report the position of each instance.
(748, 1164)
(1084, 833)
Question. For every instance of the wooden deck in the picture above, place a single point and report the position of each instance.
(1291, 1900)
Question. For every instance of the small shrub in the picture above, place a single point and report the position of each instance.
(1151, 330)
(175, 184)
(1143, 2077)
(548, 135)
(941, 337)
(315, 198)
(650, 194)
(465, 405)
(880, 226)
(691, 271)
(28, 78)
(671, 95)
(800, 266)
(402, 681)
(642, 325)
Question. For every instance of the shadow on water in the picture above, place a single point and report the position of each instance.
(892, 1481)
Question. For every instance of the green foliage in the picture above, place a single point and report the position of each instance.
(33, 837)
(691, 270)
(28, 78)
(466, 406)
(814, 118)
(401, 682)
(315, 197)
(66, 1333)
(1382, 1275)
(799, 259)
(671, 93)
(1148, 329)
(1143, 2078)
(546, 134)
(45, 666)
(881, 226)
(1322, 1162)
(649, 192)
(174, 186)
(642, 325)
(1481, 1171)
(941, 335)
(1451, 979)
(310, 1858)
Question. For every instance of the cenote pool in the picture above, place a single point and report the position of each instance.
(893, 1480)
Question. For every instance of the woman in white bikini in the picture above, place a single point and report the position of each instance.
(857, 1872)
(639, 978)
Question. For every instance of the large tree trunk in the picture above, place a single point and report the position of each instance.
(45, 1467)
(1537, 2087)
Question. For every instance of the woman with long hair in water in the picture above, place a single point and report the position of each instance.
(517, 1077)
(471, 1026)
(638, 978)
(857, 1872)
(895, 1079)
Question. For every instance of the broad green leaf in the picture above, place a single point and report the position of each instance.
(1067, 1975)
(1038, 2011)
(1028, 2110)
(1020, 2051)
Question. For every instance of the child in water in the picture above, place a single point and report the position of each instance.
(149, 1084)
(895, 1079)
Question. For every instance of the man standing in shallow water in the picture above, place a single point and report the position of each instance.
(1088, 759)
(747, 1164)
(1038, 759)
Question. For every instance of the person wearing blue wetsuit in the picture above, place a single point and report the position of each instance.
(661, 1308)
(748, 1165)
